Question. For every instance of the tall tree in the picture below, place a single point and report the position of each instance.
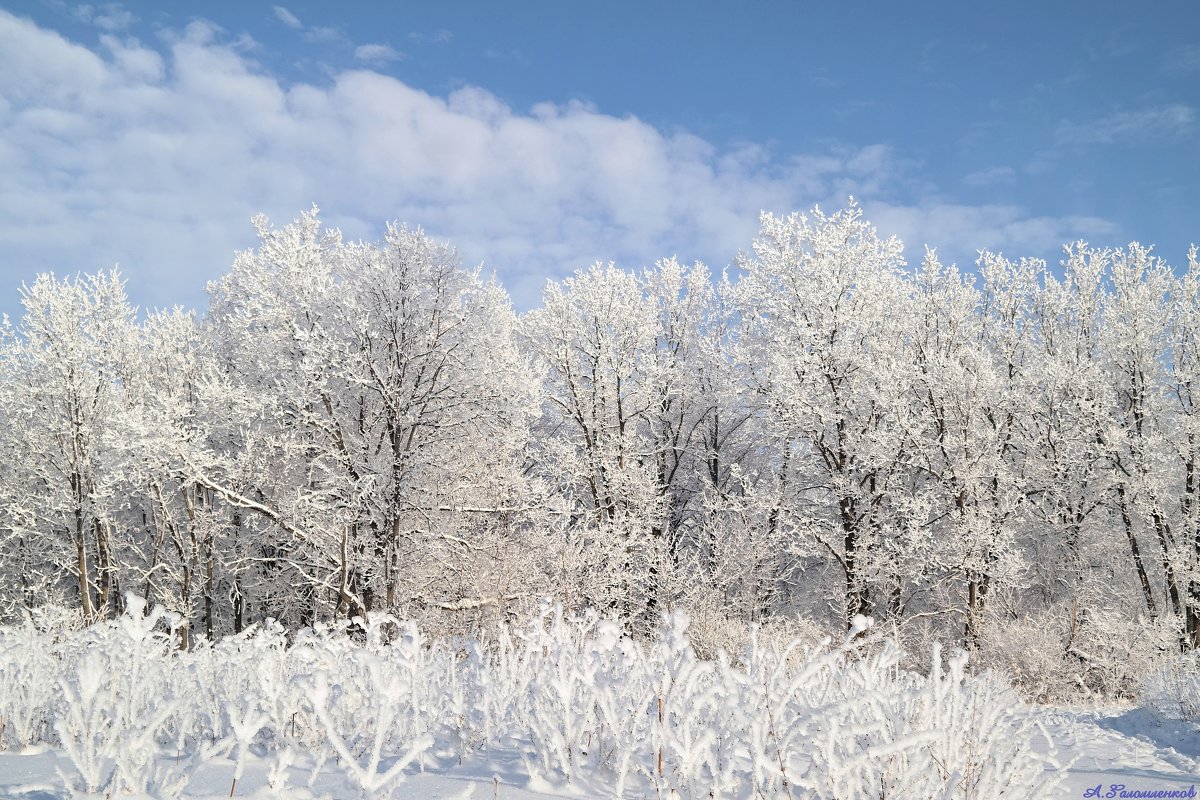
(624, 357)
(63, 365)
(822, 304)
(390, 392)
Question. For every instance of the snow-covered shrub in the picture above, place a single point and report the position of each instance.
(1061, 655)
(568, 662)
(712, 628)
(378, 701)
(365, 719)
(786, 720)
(1030, 651)
(1115, 651)
(1172, 688)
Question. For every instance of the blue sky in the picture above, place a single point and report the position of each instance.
(542, 136)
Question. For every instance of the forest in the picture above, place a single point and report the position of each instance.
(1001, 457)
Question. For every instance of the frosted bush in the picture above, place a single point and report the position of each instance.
(1116, 651)
(367, 719)
(1030, 650)
(1051, 659)
(713, 628)
(88, 728)
(972, 733)
(1172, 688)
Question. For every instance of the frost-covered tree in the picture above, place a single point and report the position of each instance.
(1183, 394)
(388, 400)
(64, 366)
(186, 548)
(825, 346)
(622, 440)
(1137, 357)
(962, 483)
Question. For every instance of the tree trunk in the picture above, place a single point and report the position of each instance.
(858, 600)
(1143, 579)
(85, 589)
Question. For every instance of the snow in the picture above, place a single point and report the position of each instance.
(1127, 747)
(32, 775)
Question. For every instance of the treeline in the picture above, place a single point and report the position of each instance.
(1006, 458)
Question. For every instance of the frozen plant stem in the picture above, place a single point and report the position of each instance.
(778, 749)
(660, 725)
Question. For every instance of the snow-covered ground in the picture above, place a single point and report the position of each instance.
(1128, 747)
(1117, 749)
(33, 775)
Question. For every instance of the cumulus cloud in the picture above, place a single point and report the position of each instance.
(158, 159)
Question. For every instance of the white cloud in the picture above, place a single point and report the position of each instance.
(108, 17)
(990, 176)
(377, 53)
(325, 34)
(515, 55)
(1182, 60)
(823, 79)
(158, 160)
(439, 36)
(1158, 122)
(287, 18)
(959, 231)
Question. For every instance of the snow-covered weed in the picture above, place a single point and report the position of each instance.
(26, 696)
(117, 699)
(579, 700)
